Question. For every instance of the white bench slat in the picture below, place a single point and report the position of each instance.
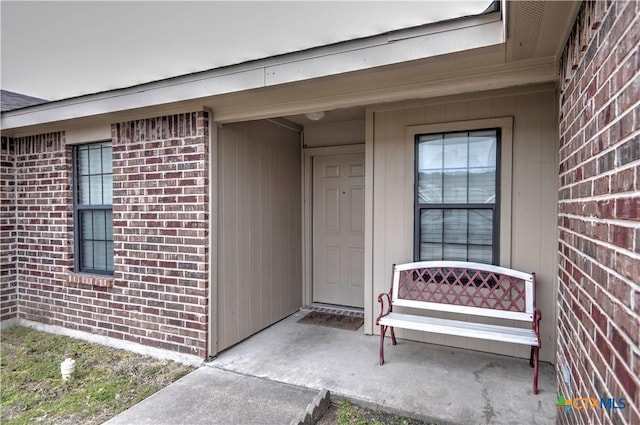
(461, 309)
(459, 328)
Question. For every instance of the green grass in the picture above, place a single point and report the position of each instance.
(348, 414)
(106, 380)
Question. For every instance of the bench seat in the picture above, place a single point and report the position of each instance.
(459, 328)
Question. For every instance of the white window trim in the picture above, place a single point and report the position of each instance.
(506, 170)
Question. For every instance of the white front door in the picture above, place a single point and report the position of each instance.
(338, 229)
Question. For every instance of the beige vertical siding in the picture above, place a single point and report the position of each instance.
(259, 233)
(533, 194)
(334, 133)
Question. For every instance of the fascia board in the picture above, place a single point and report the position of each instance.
(390, 53)
(142, 97)
(358, 55)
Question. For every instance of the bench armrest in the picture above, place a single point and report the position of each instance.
(381, 298)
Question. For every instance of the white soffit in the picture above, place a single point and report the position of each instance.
(356, 55)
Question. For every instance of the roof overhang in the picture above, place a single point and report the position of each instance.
(349, 57)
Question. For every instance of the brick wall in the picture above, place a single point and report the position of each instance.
(160, 217)
(8, 292)
(158, 294)
(43, 226)
(599, 213)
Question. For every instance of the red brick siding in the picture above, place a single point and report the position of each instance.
(599, 213)
(158, 294)
(8, 275)
(43, 226)
(160, 216)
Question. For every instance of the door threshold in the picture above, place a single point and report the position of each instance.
(334, 309)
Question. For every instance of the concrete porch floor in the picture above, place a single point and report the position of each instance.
(425, 381)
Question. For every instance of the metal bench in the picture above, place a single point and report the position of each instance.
(468, 289)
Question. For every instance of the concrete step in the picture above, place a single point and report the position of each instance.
(214, 396)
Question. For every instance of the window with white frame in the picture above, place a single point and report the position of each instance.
(92, 192)
(457, 196)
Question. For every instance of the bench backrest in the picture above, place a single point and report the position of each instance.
(466, 288)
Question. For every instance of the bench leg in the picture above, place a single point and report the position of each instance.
(383, 330)
(531, 356)
(536, 355)
(393, 336)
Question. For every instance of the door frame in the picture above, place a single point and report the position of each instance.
(307, 210)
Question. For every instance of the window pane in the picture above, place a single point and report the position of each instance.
(99, 222)
(107, 189)
(455, 186)
(480, 254)
(430, 251)
(431, 225)
(456, 234)
(482, 148)
(109, 256)
(457, 168)
(455, 252)
(455, 226)
(86, 225)
(83, 161)
(430, 153)
(95, 187)
(430, 187)
(481, 227)
(95, 159)
(100, 255)
(87, 255)
(482, 186)
(106, 159)
(430, 169)
(109, 222)
(96, 231)
(455, 151)
(83, 190)
(95, 181)
(431, 229)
